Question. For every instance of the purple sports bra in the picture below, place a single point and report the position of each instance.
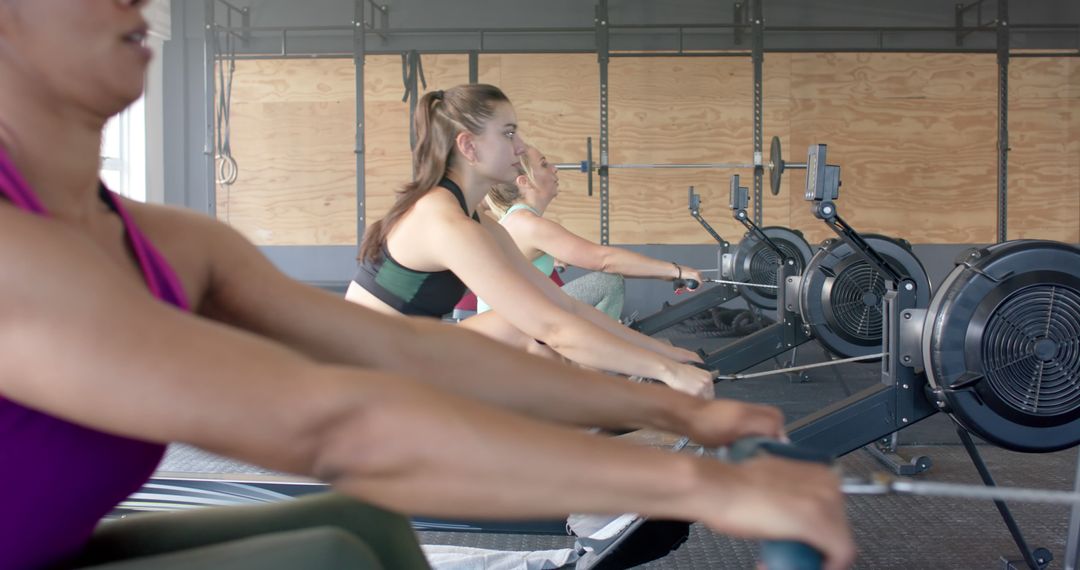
(58, 479)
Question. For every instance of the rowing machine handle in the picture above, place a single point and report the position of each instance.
(689, 284)
(780, 554)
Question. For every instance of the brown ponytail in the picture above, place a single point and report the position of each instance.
(440, 117)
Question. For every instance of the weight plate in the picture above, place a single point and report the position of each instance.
(776, 162)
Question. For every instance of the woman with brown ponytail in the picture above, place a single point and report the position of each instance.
(431, 245)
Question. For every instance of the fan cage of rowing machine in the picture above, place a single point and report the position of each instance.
(1001, 345)
(753, 261)
(840, 294)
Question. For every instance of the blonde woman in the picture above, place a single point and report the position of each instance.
(521, 206)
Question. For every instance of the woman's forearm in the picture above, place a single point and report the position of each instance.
(625, 333)
(593, 345)
(472, 365)
(632, 264)
(424, 453)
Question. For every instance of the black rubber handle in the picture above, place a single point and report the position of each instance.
(781, 554)
(689, 284)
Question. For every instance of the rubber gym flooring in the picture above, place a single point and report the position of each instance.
(891, 531)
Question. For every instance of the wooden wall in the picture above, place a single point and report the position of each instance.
(557, 104)
(292, 137)
(1044, 135)
(388, 155)
(695, 110)
(914, 134)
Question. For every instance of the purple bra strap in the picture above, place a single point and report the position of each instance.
(15, 188)
(160, 277)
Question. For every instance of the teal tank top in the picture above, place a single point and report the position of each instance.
(545, 263)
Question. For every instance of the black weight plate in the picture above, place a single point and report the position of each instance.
(776, 160)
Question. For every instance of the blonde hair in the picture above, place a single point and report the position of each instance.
(502, 196)
(440, 117)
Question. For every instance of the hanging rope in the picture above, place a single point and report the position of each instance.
(225, 164)
(409, 77)
(412, 68)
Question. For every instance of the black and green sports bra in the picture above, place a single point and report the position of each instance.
(411, 292)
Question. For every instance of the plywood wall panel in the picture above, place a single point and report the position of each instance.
(915, 135)
(556, 97)
(292, 137)
(686, 110)
(1044, 157)
(388, 162)
(894, 76)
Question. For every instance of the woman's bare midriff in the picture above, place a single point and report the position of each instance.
(357, 294)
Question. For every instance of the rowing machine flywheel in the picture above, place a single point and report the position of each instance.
(840, 297)
(753, 261)
(1001, 345)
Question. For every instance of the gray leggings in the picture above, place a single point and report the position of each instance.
(605, 291)
(324, 531)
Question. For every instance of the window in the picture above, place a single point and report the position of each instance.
(123, 152)
(132, 146)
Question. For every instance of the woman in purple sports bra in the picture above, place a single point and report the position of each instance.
(125, 326)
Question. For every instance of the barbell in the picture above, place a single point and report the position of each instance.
(775, 167)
